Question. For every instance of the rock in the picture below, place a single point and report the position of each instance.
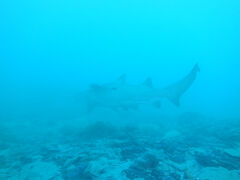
(146, 168)
(98, 130)
(218, 173)
(174, 146)
(40, 170)
(217, 158)
(77, 172)
(132, 150)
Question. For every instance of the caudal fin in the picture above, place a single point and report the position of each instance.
(176, 90)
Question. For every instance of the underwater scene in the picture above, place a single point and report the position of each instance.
(119, 90)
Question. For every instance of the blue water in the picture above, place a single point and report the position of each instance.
(52, 53)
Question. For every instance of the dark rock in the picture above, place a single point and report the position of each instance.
(77, 173)
(175, 150)
(150, 161)
(98, 130)
(132, 151)
(216, 158)
(145, 168)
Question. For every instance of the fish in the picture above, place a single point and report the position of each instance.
(121, 95)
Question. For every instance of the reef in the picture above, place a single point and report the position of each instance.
(194, 147)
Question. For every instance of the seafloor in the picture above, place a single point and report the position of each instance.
(187, 147)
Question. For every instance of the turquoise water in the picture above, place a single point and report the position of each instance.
(110, 90)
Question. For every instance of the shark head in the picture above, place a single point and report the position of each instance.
(108, 87)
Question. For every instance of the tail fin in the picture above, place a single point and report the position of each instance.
(176, 90)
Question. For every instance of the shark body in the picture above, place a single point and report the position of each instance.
(120, 95)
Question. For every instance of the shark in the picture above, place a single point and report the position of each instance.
(121, 95)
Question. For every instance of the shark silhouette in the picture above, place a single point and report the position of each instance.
(120, 95)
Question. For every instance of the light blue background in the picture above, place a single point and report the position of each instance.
(62, 46)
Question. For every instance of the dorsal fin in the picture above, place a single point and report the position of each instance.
(122, 79)
(148, 82)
